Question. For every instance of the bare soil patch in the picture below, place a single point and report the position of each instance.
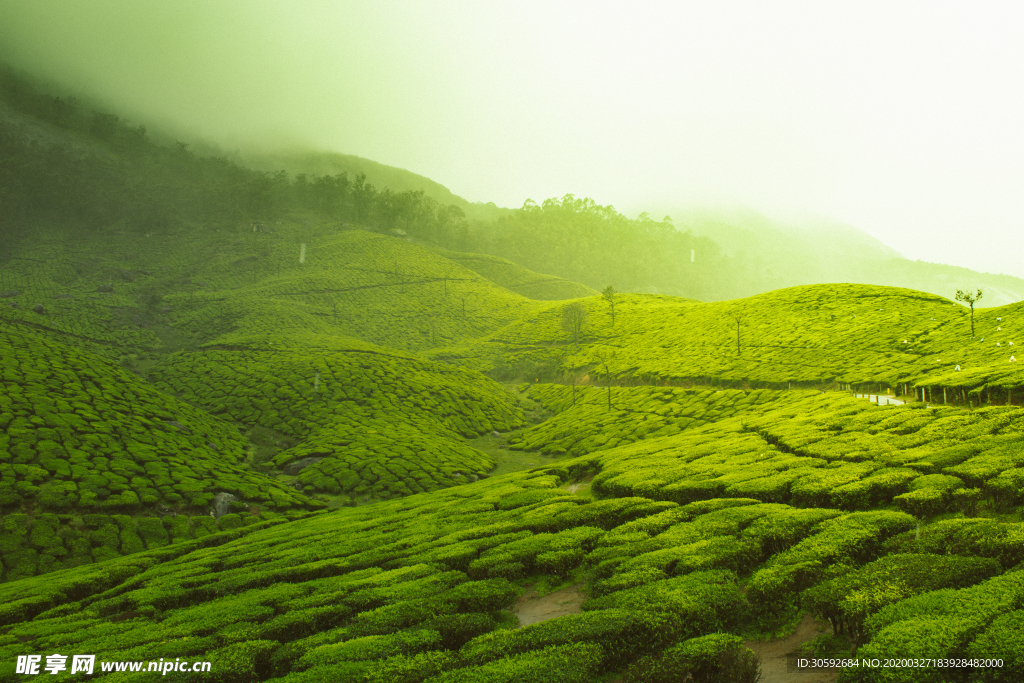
(532, 609)
(773, 655)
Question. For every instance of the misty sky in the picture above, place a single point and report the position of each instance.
(903, 119)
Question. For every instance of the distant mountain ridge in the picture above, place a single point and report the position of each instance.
(65, 163)
(772, 254)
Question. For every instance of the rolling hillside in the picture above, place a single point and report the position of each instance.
(308, 445)
(823, 335)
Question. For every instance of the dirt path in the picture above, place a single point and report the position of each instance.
(773, 656)
(532, 609)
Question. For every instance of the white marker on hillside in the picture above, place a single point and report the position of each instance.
(302, 253)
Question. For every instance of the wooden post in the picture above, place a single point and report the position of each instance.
(943, 395)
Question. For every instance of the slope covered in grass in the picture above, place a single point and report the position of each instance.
(585, 424)
(172, 290)
(815, 335)
(517, 279)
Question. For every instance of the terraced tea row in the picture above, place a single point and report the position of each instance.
(80, 436)
(46, 542)
(585, 424)
(415, 589)
(81, 433)
(369, 423)
(826, 450)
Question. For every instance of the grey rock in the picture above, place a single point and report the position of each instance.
(222, 504)
(9, 293)
(495, 434)
(108, 288)
(38, 308)
(297, 466)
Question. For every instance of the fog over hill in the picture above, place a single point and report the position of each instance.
(274, 409)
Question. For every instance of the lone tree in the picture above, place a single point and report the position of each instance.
(571, 374)
(738, 319)
(574, 317)
(603, 358)
(970, 299)
(608, 294)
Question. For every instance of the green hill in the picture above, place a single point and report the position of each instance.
(253, 420)
(821, 335)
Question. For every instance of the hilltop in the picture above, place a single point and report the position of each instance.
(820, 335)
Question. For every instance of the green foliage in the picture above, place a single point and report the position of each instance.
(621, 634)
(707, 659)
(575, 663)
(1001, 541)
(1001, 640)
(376, 424)
(754, 477)
(817, 335)
(846, 601)
(943, 624)
(839, 542)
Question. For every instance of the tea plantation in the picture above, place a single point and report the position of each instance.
(372, 422)
(702, 492)
(97, 458)
(414, 589)
(821, 336)
(145, 292)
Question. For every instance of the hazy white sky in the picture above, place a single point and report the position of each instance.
(903, 119)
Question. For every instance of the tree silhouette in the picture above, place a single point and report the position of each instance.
(571, 374)
(574, 317)
(738, 319)
(603, 358)
(970, 299)
(608, 293)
